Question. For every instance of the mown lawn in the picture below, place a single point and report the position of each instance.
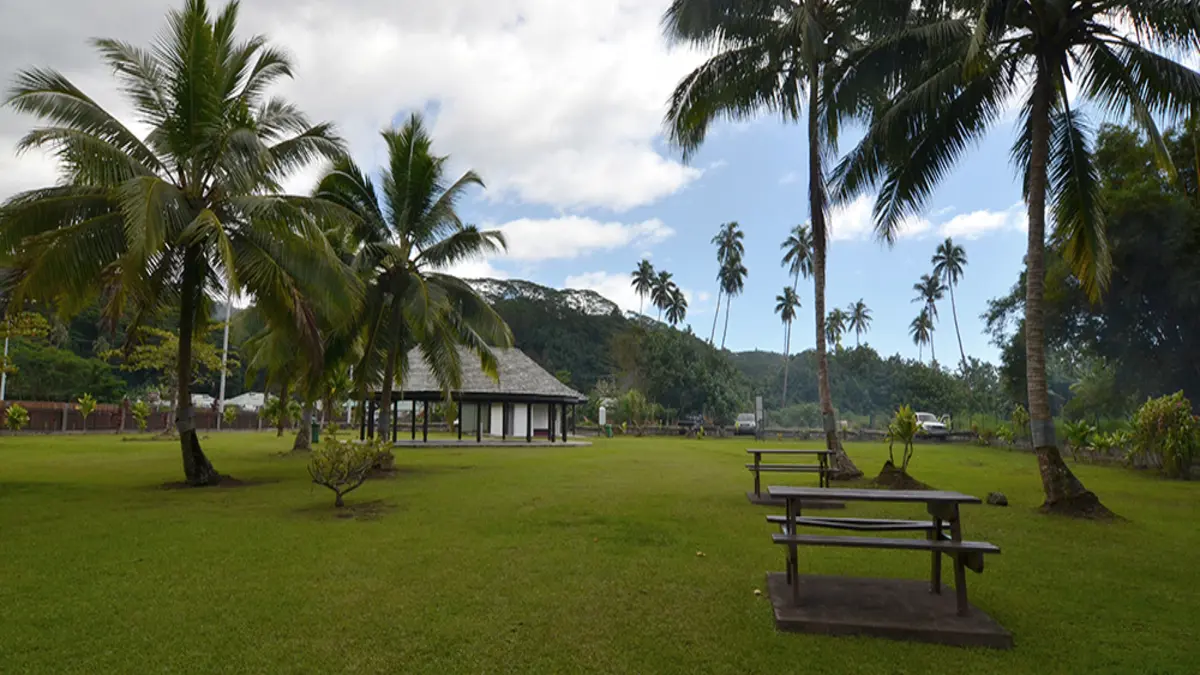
(542, 560)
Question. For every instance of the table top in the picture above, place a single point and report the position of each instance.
(857, 494)
(767, 451)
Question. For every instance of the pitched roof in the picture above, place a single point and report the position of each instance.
(520, 377)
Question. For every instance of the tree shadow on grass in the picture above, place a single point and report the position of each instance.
(373, 509)
(226, 482)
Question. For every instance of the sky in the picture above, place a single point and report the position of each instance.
(559, 107)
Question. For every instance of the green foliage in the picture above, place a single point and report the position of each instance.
(86, 406)
(449, 412)
(272, 408)
(682, 372)
(28, 325)
(903, 428)
(158, 352)
(798, 416)
(141, 414)
(16, 417)
(229, 415)
(1113, 441)
(634, 410)
(1020, 422)
(1079, 435)
(1166, 434)
(343, 466)
(48, 373)
(1005, 434)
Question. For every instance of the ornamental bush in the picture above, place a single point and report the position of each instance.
(16, 417)
(1166, 435)
(141, 414)
(344, 466)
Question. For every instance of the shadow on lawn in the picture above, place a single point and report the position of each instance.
(368, 510)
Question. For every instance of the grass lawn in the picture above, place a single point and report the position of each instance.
(543, 560)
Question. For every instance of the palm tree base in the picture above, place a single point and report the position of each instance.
(1065, 494)
(840, 464)
(198, 471)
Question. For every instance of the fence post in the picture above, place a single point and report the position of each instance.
(66, 414)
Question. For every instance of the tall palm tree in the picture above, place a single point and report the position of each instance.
(789, 57)
(642, 282)
(733, 282)
(798, 254)
(921, 330)
(660, 292)
(677, 306)
(729, 246)
(166, 221)
(835, 326)
(948, 263)
(929, 290)
(410, 232)
(786, 305)
(979, 56)
(860, 320)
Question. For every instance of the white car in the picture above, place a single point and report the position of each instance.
(745, 424)
(930, 426)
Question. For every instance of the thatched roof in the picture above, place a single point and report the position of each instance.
(520, 380)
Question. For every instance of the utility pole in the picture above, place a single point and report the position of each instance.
(224, 357)
(4, 375)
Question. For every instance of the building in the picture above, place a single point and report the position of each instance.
(524, 403)
(250, 401)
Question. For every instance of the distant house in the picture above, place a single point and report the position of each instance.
(202, 401)
(250, 401)
(526, 401)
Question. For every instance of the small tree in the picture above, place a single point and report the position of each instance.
(635, 410)
(141, 414)
(342, 467)
(1020, 422)
(1166, 435)
(86, 406)
(903, 428)
(229, 415)
(1079, 436)
(158, 352)
(16, 417)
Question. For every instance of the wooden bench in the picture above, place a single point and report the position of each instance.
(857, 524)
(821, 468)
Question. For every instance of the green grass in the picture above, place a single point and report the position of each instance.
(542, 560)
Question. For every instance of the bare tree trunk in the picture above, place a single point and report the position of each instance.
(385, 394)
(282, 421)
(843, 467)
(713, 335)
(932, 351)
(1064, 492)
(787, 359)
(196, 467)
(725, 332)
(303, 442)
(954, 312)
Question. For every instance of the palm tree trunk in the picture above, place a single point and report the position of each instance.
(641, 303)
(932, 351)
(843, 467)
(954, 312)
(303, 442)
(196, 467)
(713, 335)
(725, 331)
(389, 368)
(1064, 492)
(787, 359)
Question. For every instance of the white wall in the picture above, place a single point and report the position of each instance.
(497, 419)
(541, 418)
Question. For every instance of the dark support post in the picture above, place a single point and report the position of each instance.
(461, 410)
(425, 424)
(504, 421)
(935, 570)
(564, 422)
(395, 419)
(414, 420)
(371, 419)
(362, 423)
(478, 422)
(528, 422)
(960, 570)
(550, 422)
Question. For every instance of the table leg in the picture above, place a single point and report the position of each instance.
(960, 570)
(935, 573)
(793, 510)
(757, 489)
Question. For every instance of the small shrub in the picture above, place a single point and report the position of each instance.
(16, 417)
(141, 414)
(1020, 422)
(229, 415)
(1113, 441)
(1079, 436)
(86, 406)
(903, 428)
(342, 467)
(1005, 434)
(1166, 435)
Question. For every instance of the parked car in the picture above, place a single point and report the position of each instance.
(745, 424)
(690, 423)
(931, 427)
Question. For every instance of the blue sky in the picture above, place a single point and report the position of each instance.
(754, 173)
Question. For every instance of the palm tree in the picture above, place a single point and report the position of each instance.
(967, 68)
(786, 57)
(660, 293)
(835, 326)
(168, 220)
(733, 282)
(677, 306)
(786, 305)
(798, 254)
(410, 231)
(921, 330)
(929, 290)
(729, 246)
(948, 263)
(860, 320)
(643, 282)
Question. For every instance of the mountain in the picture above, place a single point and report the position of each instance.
(586, 302)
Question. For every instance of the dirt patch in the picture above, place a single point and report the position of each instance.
(892, 478)
(368, 510)
(225, 482)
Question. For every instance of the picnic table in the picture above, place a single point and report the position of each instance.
(821, 468)
(942, 506)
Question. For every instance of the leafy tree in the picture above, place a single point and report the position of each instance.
(859, 320)
(229, 415)
(733, 282)
(26, 325)
(16, 417)
(157, 351)
(660, 292)
(903, 428)
(343, 467)
(835, 326)
(165, 220)
(968, 66)
(786, 305)
(53, 374)
(141, 414)
(798, 254)
(643, 282)
(86, 406)
(731, 273)
(921, 330)
(949, 261)
(411, 232)
(929, 290)
(677, 307)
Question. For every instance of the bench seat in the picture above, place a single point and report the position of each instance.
(794, 468)
(970, 552)
(858, 524)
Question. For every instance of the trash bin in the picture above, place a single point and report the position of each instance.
(608, 430)
(316, 432)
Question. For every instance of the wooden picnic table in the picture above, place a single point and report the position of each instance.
(821, 468)
(942, 506)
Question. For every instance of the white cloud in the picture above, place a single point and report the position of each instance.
(552, 102)
(719, 164)
(854, 221)
(476, 269)
(574, 236)
(789, 178)
(976, 224)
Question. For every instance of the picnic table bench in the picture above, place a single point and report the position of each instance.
(943, 507)
(821, 468)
